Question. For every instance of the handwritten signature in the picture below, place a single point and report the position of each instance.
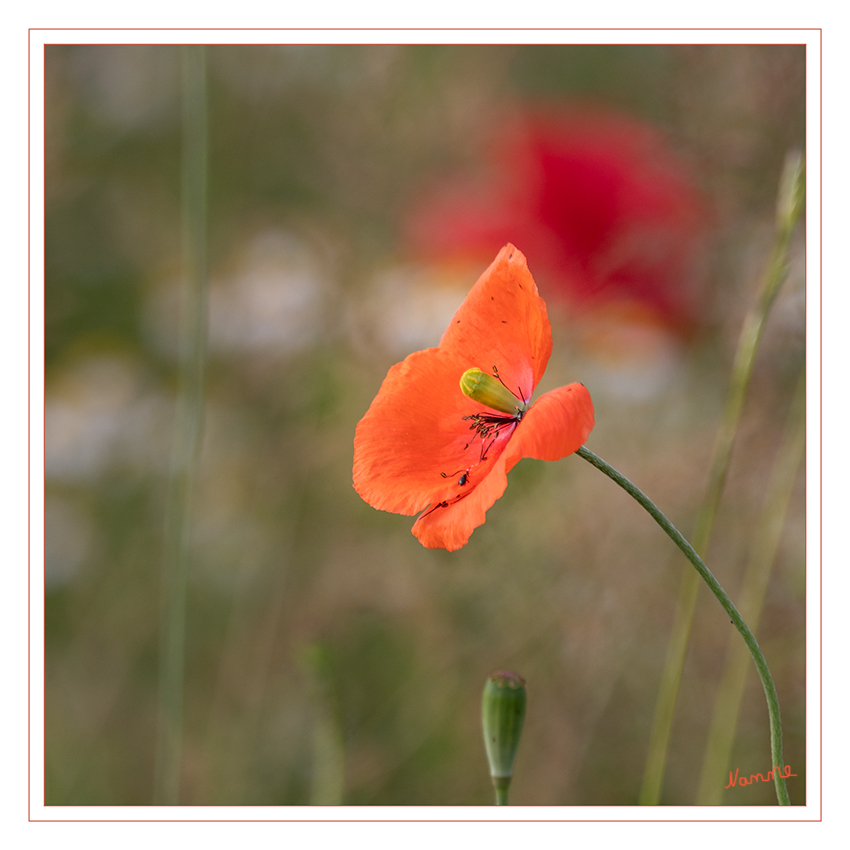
(757, 777)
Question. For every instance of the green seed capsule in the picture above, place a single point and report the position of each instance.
(502, 715)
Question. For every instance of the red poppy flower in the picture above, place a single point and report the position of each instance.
(450, 422)
(602, 202)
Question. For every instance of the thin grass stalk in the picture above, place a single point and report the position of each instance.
(188, 428)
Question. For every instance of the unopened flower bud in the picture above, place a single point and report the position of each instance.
(502, 714)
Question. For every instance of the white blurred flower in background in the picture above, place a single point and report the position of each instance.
(271, 301)
(103, 414)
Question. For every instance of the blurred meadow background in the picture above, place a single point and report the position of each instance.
(353, 196)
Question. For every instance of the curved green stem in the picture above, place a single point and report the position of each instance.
(788, 210)
(728, 607)
(765, 542)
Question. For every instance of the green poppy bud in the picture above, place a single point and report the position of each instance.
(491, 392)
(502, 714)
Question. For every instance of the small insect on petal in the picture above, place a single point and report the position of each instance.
(464, 478)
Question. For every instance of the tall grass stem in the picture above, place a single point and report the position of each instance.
(188, 427)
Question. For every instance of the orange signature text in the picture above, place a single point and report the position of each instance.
(757, 777)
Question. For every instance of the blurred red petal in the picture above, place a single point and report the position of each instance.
(600, 200)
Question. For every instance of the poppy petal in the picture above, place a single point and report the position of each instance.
(503, 323)
(413, 444)
(555, 426)
(450, 527)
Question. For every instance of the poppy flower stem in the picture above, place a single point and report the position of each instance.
(754, 581)
(789, 208)
(737, 620)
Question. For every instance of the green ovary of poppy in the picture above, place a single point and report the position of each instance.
(491, 392)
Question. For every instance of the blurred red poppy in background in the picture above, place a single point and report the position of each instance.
(608, 212)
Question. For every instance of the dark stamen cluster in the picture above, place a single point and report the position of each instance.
(487, 426)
